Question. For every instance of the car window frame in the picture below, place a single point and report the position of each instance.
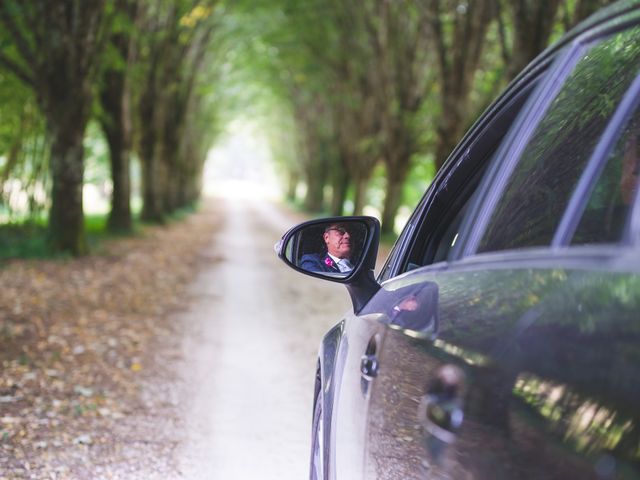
(494, 184)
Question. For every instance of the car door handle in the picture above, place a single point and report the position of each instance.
(441, 409)
(369, 366)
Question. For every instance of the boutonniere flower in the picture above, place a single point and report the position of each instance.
(329, 262)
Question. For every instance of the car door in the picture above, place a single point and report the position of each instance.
(355, 369)
(527, 378)
(525, 371)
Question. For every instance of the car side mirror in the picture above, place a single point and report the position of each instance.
(339, 249)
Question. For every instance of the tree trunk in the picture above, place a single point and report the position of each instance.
(169, 175)
(187, 173)
(151, 179)
(152, 208)
(66, 218)
(392, 200)
(67, 114)
(117, 128)
(292, 186)
(339, 194)
(194, 182)
(171, 178)
(314, 199)
(120, 215)
(533, 23)
(450, 127)
(189, 186)
(115, 97)
(173, 118)
(151, 204)
(459, 48)
(316, 178)
(360, 193)
(585, 8)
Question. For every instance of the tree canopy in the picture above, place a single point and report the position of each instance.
(362, 100)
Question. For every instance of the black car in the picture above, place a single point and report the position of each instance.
(501, 339)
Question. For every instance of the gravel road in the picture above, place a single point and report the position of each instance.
(250, 344)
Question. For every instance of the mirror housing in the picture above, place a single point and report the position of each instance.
(319, 247)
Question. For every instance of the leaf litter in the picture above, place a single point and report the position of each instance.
(88, 356)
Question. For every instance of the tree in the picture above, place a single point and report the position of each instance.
(533, 24)
(459, 32)
(175, 41)
(301, 77)
(56, 50)
(404, 77)
(115, 118)
(325, 61)
(355, 109)
(574, 11)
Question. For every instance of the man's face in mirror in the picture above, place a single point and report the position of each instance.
(338, 240)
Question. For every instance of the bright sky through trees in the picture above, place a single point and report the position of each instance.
(241, 164)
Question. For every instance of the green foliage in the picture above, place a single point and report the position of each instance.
(184, 212)
(96, 230)
(420, 177)
(28, 238)
(23, 161)
(23, 240)
(326, 80)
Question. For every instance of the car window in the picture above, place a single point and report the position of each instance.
(540, 187)
(606, 212)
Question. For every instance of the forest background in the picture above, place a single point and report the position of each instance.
(361, 100)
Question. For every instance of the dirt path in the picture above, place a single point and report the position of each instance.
(255, 327)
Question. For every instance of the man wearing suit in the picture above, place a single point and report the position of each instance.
(336, 258)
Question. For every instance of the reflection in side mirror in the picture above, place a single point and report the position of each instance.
(339, 249)
(332, 249)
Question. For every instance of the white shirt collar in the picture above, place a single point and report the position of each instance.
(340, 266)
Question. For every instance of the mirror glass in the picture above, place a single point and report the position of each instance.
(332, 249)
